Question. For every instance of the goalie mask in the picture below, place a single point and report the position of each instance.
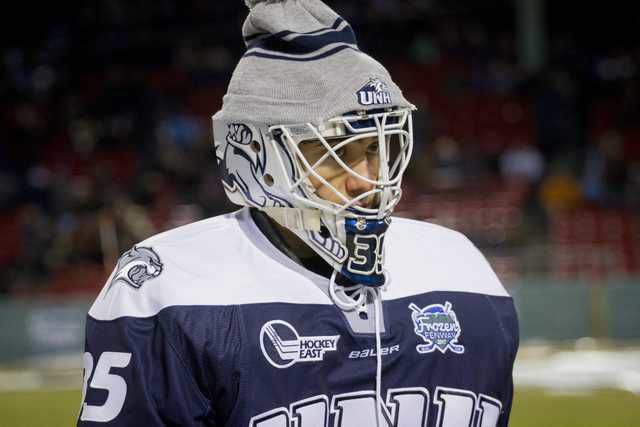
(296, 103)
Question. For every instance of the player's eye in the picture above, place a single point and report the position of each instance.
(340, 152)
(373, 148)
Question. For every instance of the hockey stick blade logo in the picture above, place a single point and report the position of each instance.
(283, 347)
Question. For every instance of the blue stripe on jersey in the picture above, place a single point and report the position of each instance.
(210, 365)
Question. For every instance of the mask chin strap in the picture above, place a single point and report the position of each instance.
(296, 218)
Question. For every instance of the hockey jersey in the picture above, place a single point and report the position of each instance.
(209, 324)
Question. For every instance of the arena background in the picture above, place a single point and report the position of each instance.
(527, 140)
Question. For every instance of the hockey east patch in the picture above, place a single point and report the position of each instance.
(283, 347)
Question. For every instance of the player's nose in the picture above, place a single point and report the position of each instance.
(355, 186)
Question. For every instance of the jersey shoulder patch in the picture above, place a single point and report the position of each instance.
(215, 262)
(144, 277)
(136, 266)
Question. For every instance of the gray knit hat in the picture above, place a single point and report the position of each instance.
(303, 65)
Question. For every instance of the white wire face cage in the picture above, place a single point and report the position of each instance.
(393, 132)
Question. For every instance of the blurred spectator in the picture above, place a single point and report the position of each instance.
(560, 191)
(522, 160)
(447, 159)
(8, 188)
(179, 129)
(557, 116)
(35, 240)
(633, 191)
(605, 172)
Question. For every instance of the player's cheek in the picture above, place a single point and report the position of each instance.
(373, 164)
(331, 171)
(339, 183)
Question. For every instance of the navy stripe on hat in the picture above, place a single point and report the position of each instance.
(281, 34)
(277, 46)
(303, 58)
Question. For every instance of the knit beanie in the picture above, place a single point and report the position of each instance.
(303, 65)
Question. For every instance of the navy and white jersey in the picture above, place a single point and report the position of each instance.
(211, 325)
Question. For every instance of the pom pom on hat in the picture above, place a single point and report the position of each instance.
(252, 3)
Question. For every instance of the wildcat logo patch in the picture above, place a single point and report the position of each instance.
(136, 266)
(374, 92)
(438, 326)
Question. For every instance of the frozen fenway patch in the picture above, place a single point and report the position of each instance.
(438, 326)
(283, 347)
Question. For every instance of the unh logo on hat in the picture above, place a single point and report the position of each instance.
(374, 92)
